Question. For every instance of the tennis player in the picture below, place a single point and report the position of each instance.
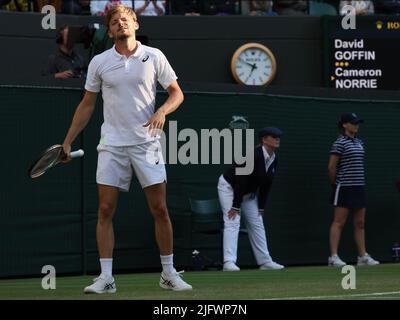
(127, 75)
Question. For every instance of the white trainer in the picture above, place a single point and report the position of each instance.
(366, 260)
(102, 284)
(173, 281)
(271, 266)
(230, 266)
(335, 261)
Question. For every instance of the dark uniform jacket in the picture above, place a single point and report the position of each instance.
(258, 182)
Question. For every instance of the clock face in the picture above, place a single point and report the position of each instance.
(254, 65)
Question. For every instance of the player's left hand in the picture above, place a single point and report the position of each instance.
(156, 123)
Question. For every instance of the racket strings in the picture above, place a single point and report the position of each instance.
(48, 160)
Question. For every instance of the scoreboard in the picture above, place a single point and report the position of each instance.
(367, 57)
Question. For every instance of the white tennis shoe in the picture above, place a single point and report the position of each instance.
(173, 281)
(230, 266)
(271, 266)
(335, 261)
(366, 260)
(102, 284)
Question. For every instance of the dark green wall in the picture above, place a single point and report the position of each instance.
(199, 48)
(41, 220)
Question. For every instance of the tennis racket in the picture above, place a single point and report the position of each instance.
(50, 158)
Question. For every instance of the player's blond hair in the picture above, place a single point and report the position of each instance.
(119, 9)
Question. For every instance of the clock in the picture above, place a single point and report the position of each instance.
(253, 64)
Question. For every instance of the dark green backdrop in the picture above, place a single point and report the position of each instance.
(42, 221)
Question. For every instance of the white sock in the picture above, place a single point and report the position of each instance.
(106, 267)
(167, 263)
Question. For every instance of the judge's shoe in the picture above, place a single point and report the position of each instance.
(335, 261)
(366, 260)
(271, 266)
(230, 266)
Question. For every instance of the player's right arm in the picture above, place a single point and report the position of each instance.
(81, 117)
(332, 167)
(86, 107)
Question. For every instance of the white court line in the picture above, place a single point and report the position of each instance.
(339, 296)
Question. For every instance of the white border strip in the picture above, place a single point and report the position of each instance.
(340, 296)
(336, 195)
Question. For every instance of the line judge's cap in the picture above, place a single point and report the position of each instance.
(350, 117)
(270, 131)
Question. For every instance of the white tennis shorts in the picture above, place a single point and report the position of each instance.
(116, 165)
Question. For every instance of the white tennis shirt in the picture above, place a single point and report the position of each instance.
(128, 88)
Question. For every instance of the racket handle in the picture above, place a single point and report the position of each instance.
(77, 154)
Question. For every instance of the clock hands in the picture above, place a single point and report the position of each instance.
(253, 66)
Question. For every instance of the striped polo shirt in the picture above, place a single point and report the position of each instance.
(350, 169)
